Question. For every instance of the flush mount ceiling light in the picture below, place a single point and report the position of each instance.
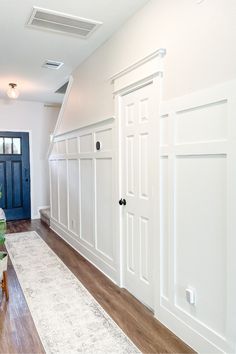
(12, 91)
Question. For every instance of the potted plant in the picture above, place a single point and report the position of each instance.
(3, 254)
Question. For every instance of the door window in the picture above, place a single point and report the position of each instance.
(10, 146)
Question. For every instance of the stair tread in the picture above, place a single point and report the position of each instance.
(45, 212)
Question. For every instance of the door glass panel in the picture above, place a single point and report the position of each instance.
(17, 146)
(1, 145)
(8, 145)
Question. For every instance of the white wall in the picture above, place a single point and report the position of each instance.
(200, 54)
(40, 121)
(199, 40)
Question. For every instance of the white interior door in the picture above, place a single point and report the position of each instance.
(137, 132)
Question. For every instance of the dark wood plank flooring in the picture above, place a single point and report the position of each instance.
(17, 330)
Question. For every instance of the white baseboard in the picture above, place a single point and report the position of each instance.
(188, 334)
(93, 258)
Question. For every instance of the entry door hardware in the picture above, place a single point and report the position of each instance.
(122, 201)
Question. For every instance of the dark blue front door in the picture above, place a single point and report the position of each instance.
(15, 175)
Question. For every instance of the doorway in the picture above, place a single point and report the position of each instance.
(137, 136)
(15, 175)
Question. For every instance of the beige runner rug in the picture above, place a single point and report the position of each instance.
(68, 319)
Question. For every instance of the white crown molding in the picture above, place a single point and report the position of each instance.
(160, 53)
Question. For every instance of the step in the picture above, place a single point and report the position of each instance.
(45, 215)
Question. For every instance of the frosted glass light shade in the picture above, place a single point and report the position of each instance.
(12, 91)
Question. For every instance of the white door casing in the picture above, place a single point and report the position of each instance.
(138, 132)
(137, 93)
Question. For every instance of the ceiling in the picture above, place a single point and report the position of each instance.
(24, 49)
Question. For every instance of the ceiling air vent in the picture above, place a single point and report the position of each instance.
(51, 64)
(62, 23)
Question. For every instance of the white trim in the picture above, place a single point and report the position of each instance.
(161, 53)
(189, 335)
(146, 71)
(200, 335)
(109, 265)
(93, 258)
(139, 73)
(73, 133)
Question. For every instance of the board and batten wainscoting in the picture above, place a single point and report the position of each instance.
(198, 224)
(82, 194)
(185, 201)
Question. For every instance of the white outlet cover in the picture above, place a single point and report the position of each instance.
(191, 296)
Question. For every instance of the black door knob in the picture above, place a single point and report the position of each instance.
(122, 201)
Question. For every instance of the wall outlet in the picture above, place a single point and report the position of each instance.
(191, 296)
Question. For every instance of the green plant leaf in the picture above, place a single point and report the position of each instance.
(2, 239)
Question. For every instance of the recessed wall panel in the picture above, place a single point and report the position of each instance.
(54, 189)
(73, 193)
(201, 229)
(62, 180)
(86, 143)
(104, 202)
(105, 139)
(164, 220)
(61, 147)
(87, 200)
(203, 123)
(72, 145)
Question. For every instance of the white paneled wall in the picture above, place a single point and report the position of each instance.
(197, 210)
(197, 157)
(82, 194)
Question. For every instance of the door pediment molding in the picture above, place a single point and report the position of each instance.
(145, 68)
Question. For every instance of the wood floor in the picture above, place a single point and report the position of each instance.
(18, 333)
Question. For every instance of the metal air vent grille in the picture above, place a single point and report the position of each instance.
(62, 23)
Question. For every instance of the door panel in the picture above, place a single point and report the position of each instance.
(16, 170)
(3, 182)
(137, 179)
(15, 175)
